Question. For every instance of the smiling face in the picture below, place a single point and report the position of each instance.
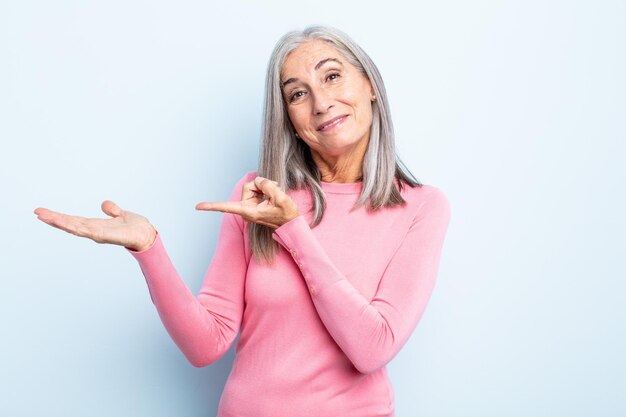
(329, 102)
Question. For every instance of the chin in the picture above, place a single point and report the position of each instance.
(339, 147)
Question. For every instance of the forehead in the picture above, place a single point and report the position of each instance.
(307, 55)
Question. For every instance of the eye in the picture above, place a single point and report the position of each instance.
(296, 95)
(332, 76)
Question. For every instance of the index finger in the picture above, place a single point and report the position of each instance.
(234, 207)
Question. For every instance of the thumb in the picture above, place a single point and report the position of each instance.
(111, 209)
(268, 187)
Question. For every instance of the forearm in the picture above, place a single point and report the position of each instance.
(370, 331)
(190, 324)
(357, 327)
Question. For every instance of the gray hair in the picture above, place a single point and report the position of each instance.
(288, 161)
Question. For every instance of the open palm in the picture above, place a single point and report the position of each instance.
(124, 228)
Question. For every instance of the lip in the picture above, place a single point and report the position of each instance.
(330, 122)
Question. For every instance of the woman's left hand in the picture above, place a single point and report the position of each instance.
(262, 202)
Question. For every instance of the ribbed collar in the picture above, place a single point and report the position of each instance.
(342, 187)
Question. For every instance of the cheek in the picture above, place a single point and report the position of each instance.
(296, 117)
(365, 108)
(359, 95)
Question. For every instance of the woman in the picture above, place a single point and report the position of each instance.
(326, 257)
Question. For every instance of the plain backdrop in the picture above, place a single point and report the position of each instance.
(515, 109)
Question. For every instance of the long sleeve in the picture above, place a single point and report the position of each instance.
(371, 331)
(205, 326)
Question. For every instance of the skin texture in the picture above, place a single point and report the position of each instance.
(319, 86)
(124, 228)
(262, 201)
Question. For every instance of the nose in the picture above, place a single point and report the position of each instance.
(322, 101)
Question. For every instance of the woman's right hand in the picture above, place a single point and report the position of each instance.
(124, 228)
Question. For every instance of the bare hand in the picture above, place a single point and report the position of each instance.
(262, 202)
(124, 228)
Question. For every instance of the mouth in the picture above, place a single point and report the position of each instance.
(329, 124)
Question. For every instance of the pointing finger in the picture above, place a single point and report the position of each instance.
(225, 207)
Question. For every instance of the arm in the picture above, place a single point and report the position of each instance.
(370, 333)
(203, 327)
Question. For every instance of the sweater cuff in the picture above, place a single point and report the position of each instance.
(316, 267)
(149, 251)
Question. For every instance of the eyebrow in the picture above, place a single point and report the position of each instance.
(317, 66)
(323, 61)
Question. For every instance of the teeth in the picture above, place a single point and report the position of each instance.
(331, 124)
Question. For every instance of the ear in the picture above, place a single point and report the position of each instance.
(372, 93)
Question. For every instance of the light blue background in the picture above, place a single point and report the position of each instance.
(515, 109)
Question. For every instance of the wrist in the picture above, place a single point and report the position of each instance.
(290, 218)
(147, 242)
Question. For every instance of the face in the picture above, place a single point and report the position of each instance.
(329, 101)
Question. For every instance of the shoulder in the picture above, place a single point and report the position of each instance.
(424, 194)
(248, 176)
(426, 201)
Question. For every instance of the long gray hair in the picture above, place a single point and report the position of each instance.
(288, 161)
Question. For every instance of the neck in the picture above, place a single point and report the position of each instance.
(342, 169)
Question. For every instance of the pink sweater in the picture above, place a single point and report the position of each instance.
(319, 325)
